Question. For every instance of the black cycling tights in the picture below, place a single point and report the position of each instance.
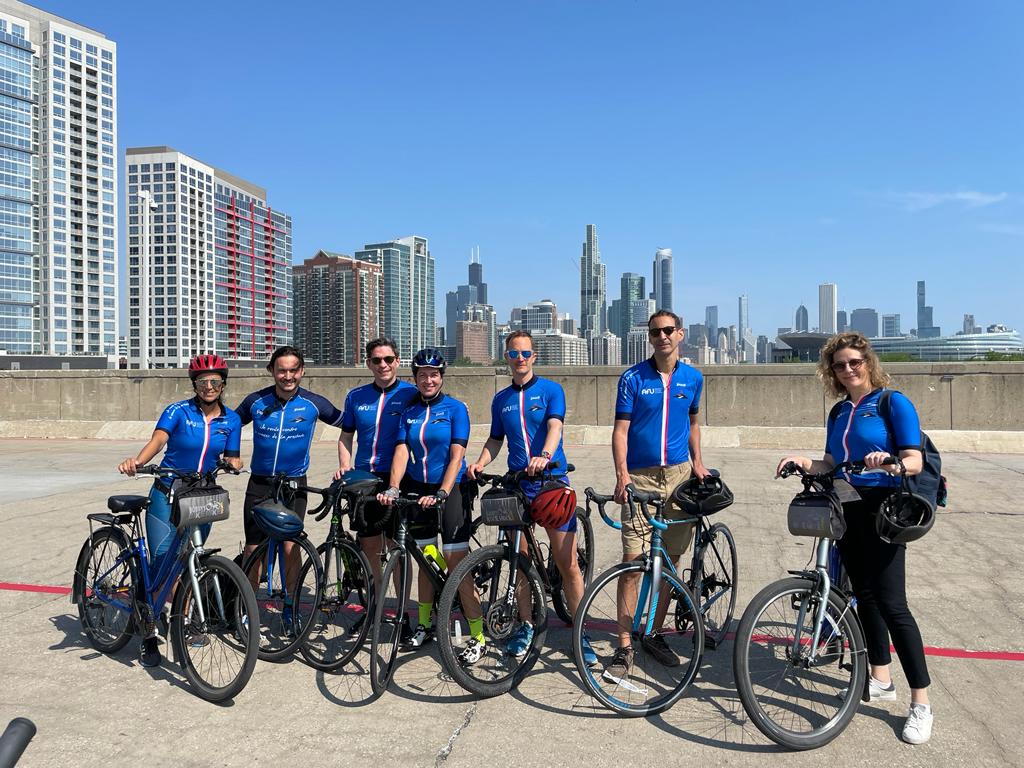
(879, 578)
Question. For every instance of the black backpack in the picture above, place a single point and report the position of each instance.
(929, 483)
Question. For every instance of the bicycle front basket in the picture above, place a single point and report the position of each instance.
(199, 505)
(501, 507)
(816, 514)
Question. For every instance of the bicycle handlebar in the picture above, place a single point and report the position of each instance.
(187, 474)
(515, 477)
(15, 739)
(600, 499)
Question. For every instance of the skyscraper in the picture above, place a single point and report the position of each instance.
(662, 284)
(801, 321)
(865, 320)
(408, 291)
(208, 257)
(969, 325)
(620, 316)
(841, 322)
(891, 326)
(925, 328)
(337, 308)
(593, 299)
(828, 303)
(473, 292)
(711, 324)
(476, 277)
(58, 139)
(743, 326)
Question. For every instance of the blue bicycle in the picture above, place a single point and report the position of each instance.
(117, 594)
(642, 619)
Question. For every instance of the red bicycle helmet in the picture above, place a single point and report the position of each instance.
(554, 505)
(201, 364)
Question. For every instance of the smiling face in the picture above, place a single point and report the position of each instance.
(428, 381)
(664, 335)
(287, 374)
(208, 387)
(852, 370)
(383, 363)
(520, 356)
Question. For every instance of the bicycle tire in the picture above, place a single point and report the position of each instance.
(767, 675)
(283, 627)
(388, 613)
(649, 686)
(497, 671)
(343, 613)
(216, 650)
(584, 558)
(714, 583)
(107, 627)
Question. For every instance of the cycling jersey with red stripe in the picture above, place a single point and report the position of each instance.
(193, 444)
(659, 417)
(859, 429)
(521, 414)
(430, 429)
(373, 414)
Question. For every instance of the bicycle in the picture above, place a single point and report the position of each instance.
(340, 626)
(209, 622)
(503, 577)
(637, 682)
(800, 658)
(286, 611)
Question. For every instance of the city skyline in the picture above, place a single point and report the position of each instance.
(917, 220)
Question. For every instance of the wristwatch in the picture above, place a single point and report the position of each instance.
(441, 495)
(545, 454)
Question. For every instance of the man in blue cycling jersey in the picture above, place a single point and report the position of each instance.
(371, 417)
(655, 446)
(529, 414)
(284, 418)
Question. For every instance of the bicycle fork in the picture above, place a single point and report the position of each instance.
(650, 586)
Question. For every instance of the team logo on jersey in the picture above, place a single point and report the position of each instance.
(441, 420)
(651, 391)
(298, 419)
(682, 395)
(536, 408)
(510, 409)
(223, 431)
(366, 407)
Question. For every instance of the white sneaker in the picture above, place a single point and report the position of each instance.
(876, 691)
(918, 728)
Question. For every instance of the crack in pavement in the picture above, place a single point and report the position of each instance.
(446, 750)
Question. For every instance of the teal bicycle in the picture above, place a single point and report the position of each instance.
(641, 619)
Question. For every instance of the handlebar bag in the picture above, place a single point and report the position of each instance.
(198, 505)
(817, 514)
(501, 507)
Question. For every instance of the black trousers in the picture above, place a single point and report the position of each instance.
(879, 577)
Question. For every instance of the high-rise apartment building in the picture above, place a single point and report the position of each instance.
(593, 298)
(58, 189)
(662, 288)
(208, 257)
(538, 316)
(890, 326)
(926, 329)
(338, 304)
(408, 291)
(556, 348)
(636, 347)
(605, 349)
(841, 321)
(865, 320)
(485, 314)
(828, 304)
(801, 321)
(473, 341)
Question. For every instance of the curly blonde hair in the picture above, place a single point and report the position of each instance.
(849, 340)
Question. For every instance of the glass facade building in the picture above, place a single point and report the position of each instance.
(593, 294)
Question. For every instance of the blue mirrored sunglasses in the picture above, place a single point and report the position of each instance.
(513, 354)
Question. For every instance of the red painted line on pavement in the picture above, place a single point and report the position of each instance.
(34, 588)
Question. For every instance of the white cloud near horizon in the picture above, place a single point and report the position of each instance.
(922, 201)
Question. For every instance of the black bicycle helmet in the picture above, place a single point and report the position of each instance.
(359, 482)
(702, 497)
(429, 357)
(903, 517)
(276, 520)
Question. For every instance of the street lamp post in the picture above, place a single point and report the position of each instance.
(146, 206)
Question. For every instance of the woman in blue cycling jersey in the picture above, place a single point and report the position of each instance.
(429, 460)
(850, 369)
(196, 433)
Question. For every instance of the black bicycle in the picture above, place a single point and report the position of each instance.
(512, 589)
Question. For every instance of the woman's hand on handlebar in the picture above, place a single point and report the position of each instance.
(339, 472)
(387, 497)
(472, 470)
(128, 467)
(537, 465)
(801, 461)
(883, 460)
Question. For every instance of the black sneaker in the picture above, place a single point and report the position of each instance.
(618, 668)
(656, 646)
(149, 652)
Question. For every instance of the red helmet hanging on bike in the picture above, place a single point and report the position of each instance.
(554, 505)
(201, 364)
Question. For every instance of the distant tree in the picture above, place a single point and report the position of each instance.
(896, 357)
(465, 362)
(1003, 356)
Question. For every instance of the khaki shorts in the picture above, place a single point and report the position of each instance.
(636, 533)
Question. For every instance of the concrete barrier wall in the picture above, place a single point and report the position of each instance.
(949, 396)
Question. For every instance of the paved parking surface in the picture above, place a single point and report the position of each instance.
(965, 588)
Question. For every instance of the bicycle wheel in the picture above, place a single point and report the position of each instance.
(661, 666)
(104, 589)
(388, 617)
(482, 535)
(794, 702)
(286, 611)
(585, 560)
(210, 629)
(341, 620)
(713, 583)
(509, 650)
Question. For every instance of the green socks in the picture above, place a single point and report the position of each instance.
(476, 629)
(425, 619)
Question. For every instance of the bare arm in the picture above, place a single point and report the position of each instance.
(622, 478)
(344, 453)
(696, 459)
(149, 450)
(538, 463)
(491, 449)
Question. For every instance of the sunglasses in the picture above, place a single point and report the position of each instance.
(515, 354)
(668, 330)
(389, 359)
(853, 365)
(209, 384)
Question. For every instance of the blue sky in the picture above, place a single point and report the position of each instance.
(772, 146)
